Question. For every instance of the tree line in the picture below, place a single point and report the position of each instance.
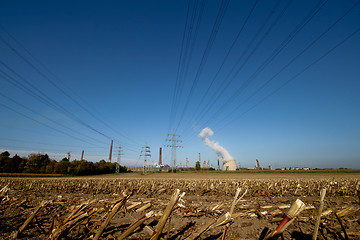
(41, 163)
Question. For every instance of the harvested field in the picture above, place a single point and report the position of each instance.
(95, 207)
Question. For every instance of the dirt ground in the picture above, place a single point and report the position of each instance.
(258, 209)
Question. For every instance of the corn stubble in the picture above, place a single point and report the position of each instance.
(93, 219)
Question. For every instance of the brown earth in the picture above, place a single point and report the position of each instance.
(268, 198)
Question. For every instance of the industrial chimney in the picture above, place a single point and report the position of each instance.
(110, 150)
(160, 158)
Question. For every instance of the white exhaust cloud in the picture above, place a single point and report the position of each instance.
(205, 134)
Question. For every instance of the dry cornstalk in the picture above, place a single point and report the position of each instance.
(294, 210)
(146, 206)
(56, 233)
(342, 227)
(73, 214)
(133, 206)
(29, 219)
(217, 206)
(318, 218)
(169, 208)
(235, 201)
(206, 227)
(115, 209)
(147, 229)
(3, 191)
(135, 225)
(346, 211)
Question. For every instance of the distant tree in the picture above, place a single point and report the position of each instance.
(3, 159)
(12, 165)
(50, 167)
(82, 167)
(63, 167)
(36, 163)
(5, 154)
(197, 166)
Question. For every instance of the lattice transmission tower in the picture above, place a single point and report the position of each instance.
(117, 170)
(173, 146)
(146, 153)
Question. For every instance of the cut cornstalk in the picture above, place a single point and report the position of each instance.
(342, 227)
(294, 210)
(318, 218)
(135, 225)
(169, 208)
(146, 228)
(146, 206)
(3, 191)
(114, 210)
(206, 227)
(64, 228)
(235, 201)
(29, 219)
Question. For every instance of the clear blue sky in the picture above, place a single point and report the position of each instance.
(276, 81)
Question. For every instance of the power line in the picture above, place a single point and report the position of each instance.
(41, 123)
(270, 58)
(297, 75)
(219, 17)
(231, 49)
(297, 56)
(12, 48)
(227, 81)
(185, 55)
(45, 117)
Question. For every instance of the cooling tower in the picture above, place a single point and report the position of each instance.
(229, 165)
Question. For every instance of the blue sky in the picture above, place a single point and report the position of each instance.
(276, 81)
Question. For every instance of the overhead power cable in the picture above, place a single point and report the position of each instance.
(47, 143)
(47, 118)
(220, 15)
(298, 55)
(43, 124)
(295, 76)
(226, 82)
(270, 58)
(231, 49)
(174, 98)
(187, 47)
(51, 103)
(199, 114)
(13, 49)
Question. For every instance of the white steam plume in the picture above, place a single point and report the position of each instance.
(205, 134)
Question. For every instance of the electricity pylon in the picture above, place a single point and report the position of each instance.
(117, 170)
(146, 153)
(173, 146)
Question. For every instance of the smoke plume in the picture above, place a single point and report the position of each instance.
(205, 134)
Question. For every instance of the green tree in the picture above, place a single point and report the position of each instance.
(63, 167)
(12, 165)
(3, 159)
(36, 163)
(5, 154)
(198, 166)
(50, 167)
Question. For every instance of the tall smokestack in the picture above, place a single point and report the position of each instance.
(160, 157)
(82, 155)
(110, 150)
